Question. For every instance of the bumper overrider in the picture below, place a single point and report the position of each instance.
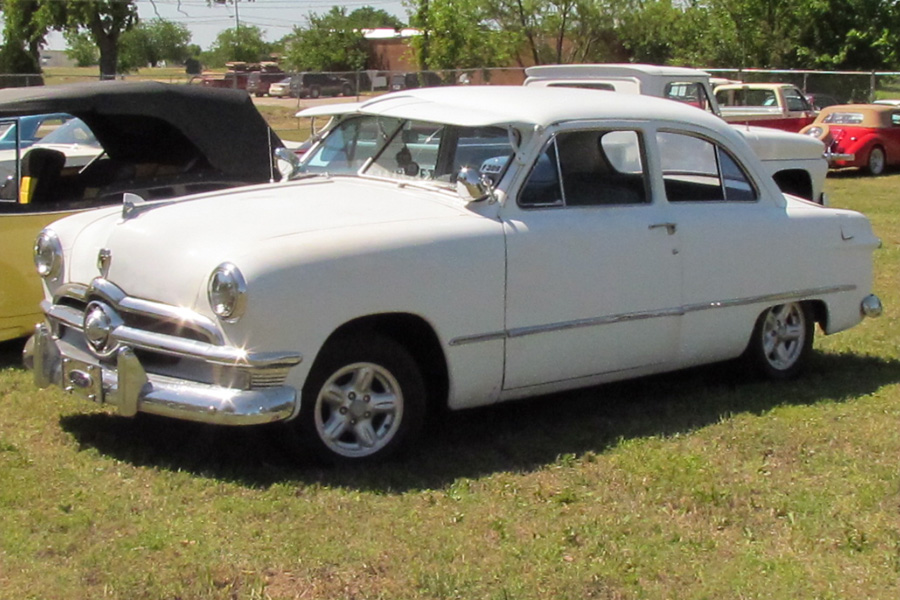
(140, 356)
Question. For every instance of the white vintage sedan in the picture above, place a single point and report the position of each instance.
(448, 247)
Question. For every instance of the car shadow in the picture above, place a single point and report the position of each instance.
(518, 436)
(11, 354)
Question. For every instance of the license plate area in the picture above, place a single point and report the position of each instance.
(83, 379)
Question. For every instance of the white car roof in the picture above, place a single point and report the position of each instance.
(475, 106)
(621, 69)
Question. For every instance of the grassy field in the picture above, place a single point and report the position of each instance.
(695, 485)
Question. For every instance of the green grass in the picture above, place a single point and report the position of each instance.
(694, 485)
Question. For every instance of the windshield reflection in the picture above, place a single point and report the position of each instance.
(407, 150)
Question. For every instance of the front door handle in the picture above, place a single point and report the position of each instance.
(670, 227)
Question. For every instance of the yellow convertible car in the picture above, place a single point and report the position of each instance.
(152, 139)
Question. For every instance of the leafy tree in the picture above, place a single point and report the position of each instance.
(152, 42)
(332, 42)
(26, 23)
(555, 31)
(244, 43)
(104, 20)
(81, 48)
(372, 18)
(461, 35)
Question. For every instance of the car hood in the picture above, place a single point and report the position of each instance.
(774, 144)
(166, 248)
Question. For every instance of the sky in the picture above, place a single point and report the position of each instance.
(276, 18)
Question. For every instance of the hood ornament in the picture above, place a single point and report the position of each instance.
(104, 258)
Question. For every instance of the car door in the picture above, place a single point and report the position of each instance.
(593, 270)
(733, 240)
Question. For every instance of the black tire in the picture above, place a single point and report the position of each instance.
(314, 92)
(346, 90)
(877, 161)
(782, 341)
(364, 401)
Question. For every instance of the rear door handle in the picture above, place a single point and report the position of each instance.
(670, 227)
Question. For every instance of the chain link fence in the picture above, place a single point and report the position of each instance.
(846, 86)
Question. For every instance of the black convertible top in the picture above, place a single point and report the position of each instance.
(150, 121)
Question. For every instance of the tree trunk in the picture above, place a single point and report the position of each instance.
(109, 55)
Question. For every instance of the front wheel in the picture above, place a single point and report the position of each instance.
(363, 401)
(782, 341)
(877, 161)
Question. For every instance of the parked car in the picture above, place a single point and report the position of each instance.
(449, 247)
(820, 101)
(866, 136)
(28, 130)
(888, 101)
(313, 85)
(405, 81)
(147, 138)
(281, 89)
(261, 78)
(73, 139)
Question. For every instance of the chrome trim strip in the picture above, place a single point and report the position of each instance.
(594, 321)
(637, 316)
(474, 339)
(781, 297)
(192, 320)
(220, 355)
(71, 290)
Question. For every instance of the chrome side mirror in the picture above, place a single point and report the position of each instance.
(473, 186)
(288, 163)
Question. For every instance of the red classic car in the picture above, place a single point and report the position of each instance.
(859, 135)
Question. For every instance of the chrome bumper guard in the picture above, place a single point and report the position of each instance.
(131, 389)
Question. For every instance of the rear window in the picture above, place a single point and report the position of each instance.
(844, 118)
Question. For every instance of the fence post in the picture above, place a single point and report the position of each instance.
(872, 87)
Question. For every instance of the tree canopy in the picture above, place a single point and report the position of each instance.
(245, 43)
(334, 41)
(152, 42)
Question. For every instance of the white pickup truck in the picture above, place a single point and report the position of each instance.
(796, 162)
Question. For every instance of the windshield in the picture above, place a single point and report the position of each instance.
(405, 150)
(72, 132)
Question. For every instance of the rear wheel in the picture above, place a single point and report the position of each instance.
(363, 401)
(877, 161)
(314, 92)
(782, 341)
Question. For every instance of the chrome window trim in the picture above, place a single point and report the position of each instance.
(653, 314)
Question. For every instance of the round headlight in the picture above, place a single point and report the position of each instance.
(814, 131)
(48, 255)
(227, 292)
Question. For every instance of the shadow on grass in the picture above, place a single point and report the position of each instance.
(518, 436)
(11, 354)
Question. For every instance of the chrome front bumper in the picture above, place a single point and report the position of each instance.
(126, 385)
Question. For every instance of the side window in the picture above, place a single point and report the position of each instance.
(689, 92)
(594, 168)
(543, 187)
(795, 101)
(697, 170)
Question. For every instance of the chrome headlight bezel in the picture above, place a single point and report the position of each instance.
(815, 131)
(227, 292)
(48, 255)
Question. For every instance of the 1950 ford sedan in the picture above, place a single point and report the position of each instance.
(448, 247)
